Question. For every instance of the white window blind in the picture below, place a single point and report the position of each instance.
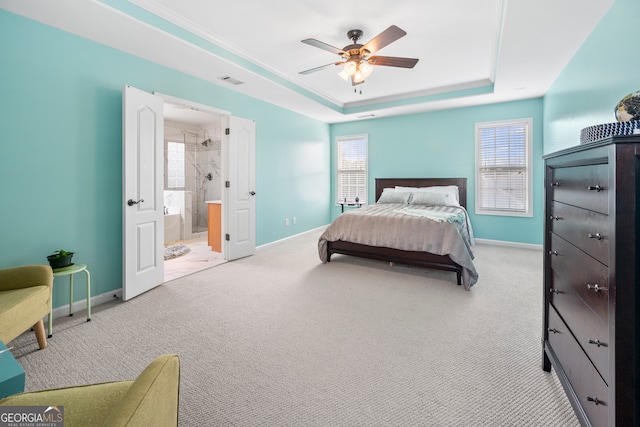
(503, 168)
(351, 168)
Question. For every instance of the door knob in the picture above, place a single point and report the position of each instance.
(253, 193)
(130, 202)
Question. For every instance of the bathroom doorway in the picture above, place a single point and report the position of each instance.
(192, 180)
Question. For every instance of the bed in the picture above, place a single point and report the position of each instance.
(385, 231)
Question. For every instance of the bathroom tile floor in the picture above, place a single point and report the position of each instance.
(199, 258)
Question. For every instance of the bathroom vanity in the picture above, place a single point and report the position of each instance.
(214, 212)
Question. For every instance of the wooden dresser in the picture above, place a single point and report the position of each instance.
(591, 318)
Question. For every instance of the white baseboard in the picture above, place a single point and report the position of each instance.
(480, 241)
(266, 245)
(509, 244)
(81, 305)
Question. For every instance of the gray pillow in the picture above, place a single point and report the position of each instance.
(389, 195)
(428, 198)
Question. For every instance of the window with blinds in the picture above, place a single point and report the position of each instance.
(351, 169)
(175, 171)
(504, 168)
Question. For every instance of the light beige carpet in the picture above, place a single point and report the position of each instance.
(279, 339)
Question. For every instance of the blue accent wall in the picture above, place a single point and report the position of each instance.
(61, 159)
(600, 74)
(442, 144)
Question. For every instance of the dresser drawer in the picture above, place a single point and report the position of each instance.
(590, 329)
(583, 186)
(586, 327)
(592, 392)
(584, 275)
(585, 229)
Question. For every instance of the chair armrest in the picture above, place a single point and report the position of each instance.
(84, 406)
(26, 276)
(152, 399)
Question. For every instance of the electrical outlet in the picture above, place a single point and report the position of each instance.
(293, 220)
(286, 221)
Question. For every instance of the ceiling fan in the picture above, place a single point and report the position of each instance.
(358, 58)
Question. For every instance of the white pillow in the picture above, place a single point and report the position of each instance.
(389, 195)
(429, 198)
(452, 189)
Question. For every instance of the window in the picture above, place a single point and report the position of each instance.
(351, 180)
(503, 168)
(175, 165)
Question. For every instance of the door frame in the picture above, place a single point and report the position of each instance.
(226, 115)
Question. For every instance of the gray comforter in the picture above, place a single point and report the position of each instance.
(441, 230)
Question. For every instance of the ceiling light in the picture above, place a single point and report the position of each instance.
(350, 67)
(358, 77)
(356, 69)
(366, 69)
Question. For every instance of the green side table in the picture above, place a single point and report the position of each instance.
(11, 374)
(70, 271)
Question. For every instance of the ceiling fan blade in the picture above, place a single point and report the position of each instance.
(322, 67)
(383, 39)
(323, 45)
(393, 61)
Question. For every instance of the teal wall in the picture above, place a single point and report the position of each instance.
(600, 74)
(441, 144)
(61, 160)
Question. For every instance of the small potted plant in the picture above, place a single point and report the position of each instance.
(60, 259)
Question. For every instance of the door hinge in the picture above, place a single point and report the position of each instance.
(227, 131)
(227, 184)
(227, 237)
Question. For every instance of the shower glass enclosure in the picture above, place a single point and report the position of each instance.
(204, 158)
(194, 156)
(203, 162)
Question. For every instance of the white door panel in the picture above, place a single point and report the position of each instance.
(240, 205)
(142, 188)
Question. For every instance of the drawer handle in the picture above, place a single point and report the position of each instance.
(595, 188)
(555, 291)
(554, 217)
(598, 343)
(555, 184)
(554, 330)
(554, 253)
(596, 287)
(595, 236)
(595, 400)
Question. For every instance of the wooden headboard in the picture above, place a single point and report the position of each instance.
(382, 183)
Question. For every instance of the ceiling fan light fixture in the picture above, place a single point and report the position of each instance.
(350, 67)
(365, 68)
(358, 77)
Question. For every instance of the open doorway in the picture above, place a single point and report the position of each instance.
(192, 188)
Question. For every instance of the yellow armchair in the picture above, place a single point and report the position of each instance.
(25, 298)
(150, 400)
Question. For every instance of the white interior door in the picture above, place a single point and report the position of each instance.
(239, 205)
(142, 192)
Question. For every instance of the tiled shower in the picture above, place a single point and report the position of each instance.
(192, 174)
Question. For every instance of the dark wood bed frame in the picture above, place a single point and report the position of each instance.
(421, 259)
